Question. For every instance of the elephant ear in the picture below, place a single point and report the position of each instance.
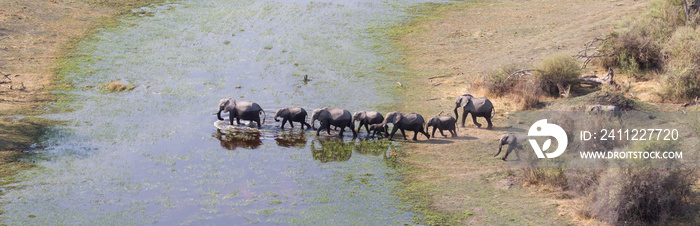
(397, 119)
(465, 100)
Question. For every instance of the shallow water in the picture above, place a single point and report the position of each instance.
(153, 155)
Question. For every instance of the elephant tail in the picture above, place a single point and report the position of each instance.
(264, 115)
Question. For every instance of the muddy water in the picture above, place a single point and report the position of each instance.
(153, 155)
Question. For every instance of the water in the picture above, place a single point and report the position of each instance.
(153, 155)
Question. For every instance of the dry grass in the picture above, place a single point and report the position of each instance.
(467, 41)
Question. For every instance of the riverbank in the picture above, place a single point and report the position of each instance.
(35, 36)
(459, 181)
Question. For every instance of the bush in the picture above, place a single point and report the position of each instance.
(497, 82)
(114, 87)
(682, 80)
(640, 43)
(638, 196)
(558, 71)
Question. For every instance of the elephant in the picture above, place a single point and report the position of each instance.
(246, 110)
(292, 115)
(514, 142)
(328, 117)
(411, 122)
(367, 118)
(378, 128)
(443, 123)
(477, 106)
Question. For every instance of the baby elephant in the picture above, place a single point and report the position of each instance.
(292, 115)
(443, 123)
(380, 129)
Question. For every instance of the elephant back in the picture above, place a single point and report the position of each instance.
(339, 114)
(480, 104)
(413, 118)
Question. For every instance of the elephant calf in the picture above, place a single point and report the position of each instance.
(443, 123)
(379, 128)
(514, 142)
(292, 115)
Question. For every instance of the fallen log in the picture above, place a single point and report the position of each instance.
(605, 80)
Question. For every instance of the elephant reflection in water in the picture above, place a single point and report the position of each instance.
(326, 149)
(249, 139)
(291, 139)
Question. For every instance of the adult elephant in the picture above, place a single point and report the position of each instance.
(246, 110)
(292, 115)
(328, 117)
(367, 118)
(514, 142)
(477, 106)
(411, 122)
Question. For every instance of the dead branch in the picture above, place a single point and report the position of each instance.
(606, 80)
(520, 73)
(590, 51)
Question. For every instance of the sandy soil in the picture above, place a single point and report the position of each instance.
(462, 42)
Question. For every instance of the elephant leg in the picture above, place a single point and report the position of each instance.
(328, 128)
(403, 132)
(238, 121)
(230, 118)
(415, 135)
(475, 123)
(454, 132)
(441, 133)
(510, 149)
(342, 130)
(488, 119)
(284, 120)
(307, 125)
(354, 133)
(393, 131)
(464, 118)
(260, 124)
(366, 128)
(318, 131)
(291, 124)
(425, 133)
(434, 128)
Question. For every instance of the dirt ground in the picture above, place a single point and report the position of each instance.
(461, 42)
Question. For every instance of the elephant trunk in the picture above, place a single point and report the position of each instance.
(313, 119)
(456, 114)
(218, 115)
(500, 146)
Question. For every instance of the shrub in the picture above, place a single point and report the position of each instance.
(558, 71)
(114, 87)
(642, 38)
(638, 196)
(497, 82)
(682, 79)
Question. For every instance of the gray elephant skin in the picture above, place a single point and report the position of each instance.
(411, 122)
(328, 117)
(292, 115)
(443, 123)
(477, 106)
(514, 142)
(246, 110)
(367, 118)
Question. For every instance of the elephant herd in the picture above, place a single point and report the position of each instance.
(373, 121)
